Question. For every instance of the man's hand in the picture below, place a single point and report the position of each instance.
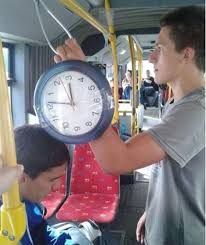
(8, 175)
(140, 231)
(69, 51)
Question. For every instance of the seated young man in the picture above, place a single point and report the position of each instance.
(44, 160)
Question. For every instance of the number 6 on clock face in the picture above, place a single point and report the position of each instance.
(73, 101)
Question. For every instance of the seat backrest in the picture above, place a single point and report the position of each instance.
(87, 176)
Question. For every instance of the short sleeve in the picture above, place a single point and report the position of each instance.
(181, 133)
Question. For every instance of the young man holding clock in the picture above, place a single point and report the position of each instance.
(44, 160)
(175, 205)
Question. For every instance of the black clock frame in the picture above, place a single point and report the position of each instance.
(101, 82)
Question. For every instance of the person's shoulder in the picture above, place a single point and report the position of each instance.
(33, 209)
(197, 97)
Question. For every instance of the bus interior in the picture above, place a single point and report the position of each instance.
(134, 25)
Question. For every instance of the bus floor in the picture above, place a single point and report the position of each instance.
(122, 231)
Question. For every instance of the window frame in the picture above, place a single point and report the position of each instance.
(10, 78)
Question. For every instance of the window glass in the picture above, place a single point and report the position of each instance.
(6, 60)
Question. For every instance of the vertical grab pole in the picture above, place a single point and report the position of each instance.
(13, 221)
(112, 38)
(139, 61)
(134, 129)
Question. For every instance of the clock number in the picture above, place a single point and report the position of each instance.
(68, 77)
(56, 83)
(49, 106)
(81, 79)
(55, 118)
(92, 87)
(96, 100)
(65, 125)
(77, 128)
(50, 93)
(95, 113)
(89, 124)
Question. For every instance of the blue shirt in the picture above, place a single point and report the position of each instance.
(39, 230)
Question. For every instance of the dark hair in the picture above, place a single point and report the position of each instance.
(187, 29)
(37, 151)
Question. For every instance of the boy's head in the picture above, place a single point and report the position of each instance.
(148, 73)
(181, 43)
(44, 159)
(187, 29)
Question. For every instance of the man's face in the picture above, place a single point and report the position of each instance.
(148, 73)
(167, 61)
(128, 76)
(36, 189)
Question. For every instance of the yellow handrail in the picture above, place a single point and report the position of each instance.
(139, 57)
(139, 61)
(80, 11)
(13, 221)
(113, 41)
(134, 87)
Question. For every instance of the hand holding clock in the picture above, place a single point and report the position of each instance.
(69, 51)
(73, 99)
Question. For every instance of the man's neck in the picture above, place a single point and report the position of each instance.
(186, 84)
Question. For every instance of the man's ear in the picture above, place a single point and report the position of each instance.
(23, 178)
(189, 54)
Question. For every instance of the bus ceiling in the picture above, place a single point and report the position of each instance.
(140, 18)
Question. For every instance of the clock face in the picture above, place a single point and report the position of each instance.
(72, 103)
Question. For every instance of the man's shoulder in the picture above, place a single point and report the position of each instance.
(195, 100)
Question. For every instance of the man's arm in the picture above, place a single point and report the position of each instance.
(114, 155)
(117, 157)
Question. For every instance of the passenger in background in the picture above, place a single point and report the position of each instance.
(127, 85)
(120, 90)
(127, 80)
(44, 159)
(149, 81)
(175, 209)
(149, 91)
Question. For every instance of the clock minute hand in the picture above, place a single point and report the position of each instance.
(71, 102)
(65, 90)
(71, 96)
(56, 102)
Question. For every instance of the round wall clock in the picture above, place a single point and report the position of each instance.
(74, 102)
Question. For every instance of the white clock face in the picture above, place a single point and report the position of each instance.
(72, 103)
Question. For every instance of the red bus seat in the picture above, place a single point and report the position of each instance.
(93, 194)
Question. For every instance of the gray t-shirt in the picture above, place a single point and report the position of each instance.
(175, 203)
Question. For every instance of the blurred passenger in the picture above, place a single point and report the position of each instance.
(127, 85)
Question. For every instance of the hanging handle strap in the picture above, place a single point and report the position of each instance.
(37, 8)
